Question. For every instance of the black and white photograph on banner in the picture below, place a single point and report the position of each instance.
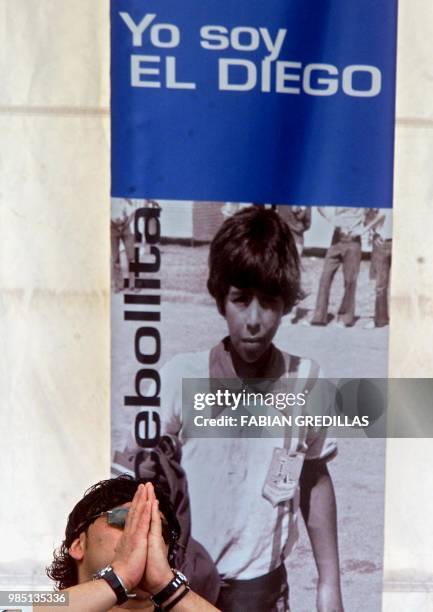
(254, 290)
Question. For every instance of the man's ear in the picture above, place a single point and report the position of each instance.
(77, 548)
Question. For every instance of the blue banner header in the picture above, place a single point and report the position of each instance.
(250, 101)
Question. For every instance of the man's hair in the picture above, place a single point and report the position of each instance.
(255, 249)
(104, 495)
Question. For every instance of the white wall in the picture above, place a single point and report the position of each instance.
(409, 533)
(54, 277)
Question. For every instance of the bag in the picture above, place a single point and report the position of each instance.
(162, 465)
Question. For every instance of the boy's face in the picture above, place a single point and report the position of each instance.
(253, 319)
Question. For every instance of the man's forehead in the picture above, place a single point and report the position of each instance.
(125, 505)
(128, 505)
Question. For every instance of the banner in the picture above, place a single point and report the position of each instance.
(251, 238)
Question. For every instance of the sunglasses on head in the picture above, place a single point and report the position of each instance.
(117, 518)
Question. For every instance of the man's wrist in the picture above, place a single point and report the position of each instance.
(166, 577)
(122, 573)
(176, 588)
(115, 582)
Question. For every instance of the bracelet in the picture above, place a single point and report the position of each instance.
(175, 583)
(177, 599)
(108, 574)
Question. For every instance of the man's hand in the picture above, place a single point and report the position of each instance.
(377, 239)
(329, 598)
(141, 555)
(131, 552)
(157, 573)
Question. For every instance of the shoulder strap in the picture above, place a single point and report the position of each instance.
(296, 441)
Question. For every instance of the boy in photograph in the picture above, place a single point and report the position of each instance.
(254, 277)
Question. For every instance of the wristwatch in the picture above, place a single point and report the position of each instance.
(177, 581)
(109, 575)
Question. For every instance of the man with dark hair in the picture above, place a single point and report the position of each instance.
(123, 536)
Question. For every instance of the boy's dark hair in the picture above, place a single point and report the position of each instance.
(104, 495)
(255, 249)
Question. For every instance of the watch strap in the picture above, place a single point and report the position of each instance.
(177, 599)
(177, 581)
(109, 575)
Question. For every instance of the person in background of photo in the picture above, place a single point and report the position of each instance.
(228, 209)
(298, 218)
(381, 228)
(345, 251)
(122, 212)
(118, 542)
(254, 276)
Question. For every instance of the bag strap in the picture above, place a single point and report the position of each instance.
(294, 440)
